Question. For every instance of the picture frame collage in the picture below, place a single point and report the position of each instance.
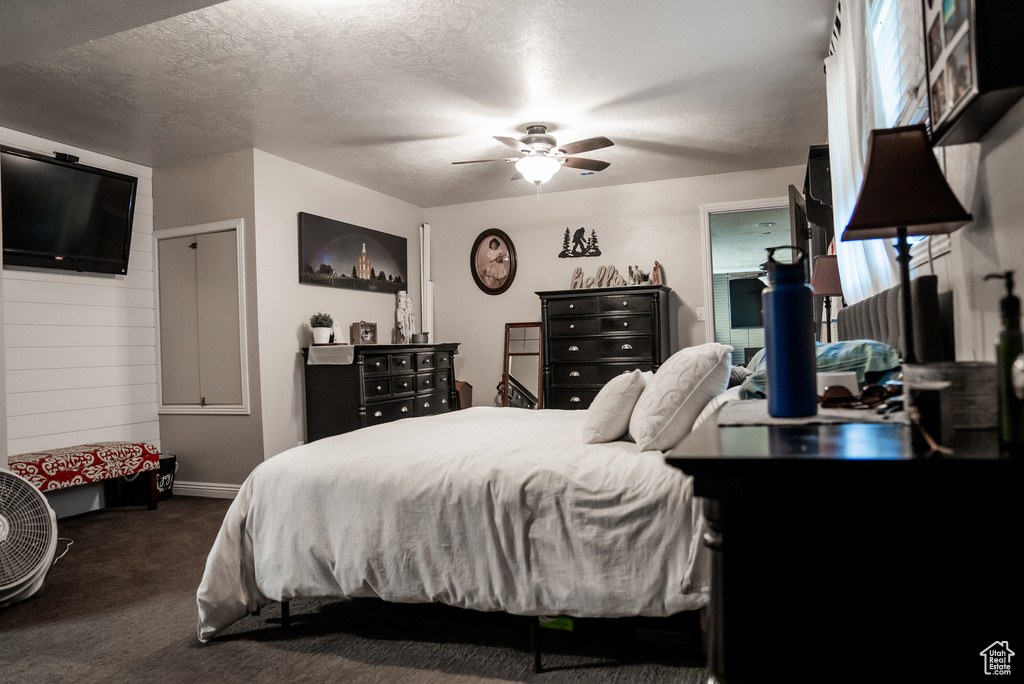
(949, 50)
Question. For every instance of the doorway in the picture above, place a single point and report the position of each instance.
(735, 236)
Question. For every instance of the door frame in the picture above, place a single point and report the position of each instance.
(705, 238)
(238, 226)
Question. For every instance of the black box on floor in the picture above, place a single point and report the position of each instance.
(135, 492)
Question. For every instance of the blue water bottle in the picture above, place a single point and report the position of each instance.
(789, 337)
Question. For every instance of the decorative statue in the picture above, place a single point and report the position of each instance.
(405, 317)
(656, 274)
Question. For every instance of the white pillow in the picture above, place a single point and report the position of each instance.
(677, 393)
(608, 415)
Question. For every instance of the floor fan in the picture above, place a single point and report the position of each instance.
(28, 538)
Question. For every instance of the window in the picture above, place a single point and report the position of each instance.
(897, 47)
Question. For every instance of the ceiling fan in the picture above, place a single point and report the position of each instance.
(542, 156)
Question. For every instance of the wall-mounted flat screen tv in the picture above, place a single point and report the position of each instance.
(58, 213)
(745, 302)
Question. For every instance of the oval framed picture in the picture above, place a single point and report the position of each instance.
(492, 261)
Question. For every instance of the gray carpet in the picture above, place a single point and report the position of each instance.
(120, 607)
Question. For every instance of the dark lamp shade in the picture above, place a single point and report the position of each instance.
(903, 188)
(825, 277)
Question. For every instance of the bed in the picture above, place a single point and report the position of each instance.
(544, 512)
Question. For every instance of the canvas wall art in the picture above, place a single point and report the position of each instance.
(337, 254)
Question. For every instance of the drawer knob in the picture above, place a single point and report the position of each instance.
(625, 324)
(377, 414)
(572, 326)
(405, 409)
(625, 303)
(572, 306)
(627, 346)
(575, 400)
(426, 383)
(401, 362)
(576, 374)
(426, 404)
(377, 364)
(444, 401)
(404, 385)
(574, 348)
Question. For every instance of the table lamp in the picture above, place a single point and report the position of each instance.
(904, 193)
(826, 283)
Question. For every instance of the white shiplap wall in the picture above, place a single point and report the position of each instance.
(81, 348)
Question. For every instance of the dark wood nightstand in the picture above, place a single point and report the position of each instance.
(837, 554)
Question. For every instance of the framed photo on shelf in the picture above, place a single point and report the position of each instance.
(493, 262)
(364, 333)
(974, 65)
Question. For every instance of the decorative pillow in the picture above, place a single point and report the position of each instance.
(677, 393)
(608, 415)
(864, 357)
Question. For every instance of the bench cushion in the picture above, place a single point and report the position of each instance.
(75, 465)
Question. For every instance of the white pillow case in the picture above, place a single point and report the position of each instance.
(677, 393)
(608, 415)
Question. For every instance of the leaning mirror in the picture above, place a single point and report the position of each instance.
(521, 376)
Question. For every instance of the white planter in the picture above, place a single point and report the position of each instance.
(321, 335)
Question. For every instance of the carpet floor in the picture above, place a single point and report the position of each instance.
(120, 607)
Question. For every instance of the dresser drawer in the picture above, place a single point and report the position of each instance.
(431, 404)
(388, 411)
(573, 327)
(425, 382)
(591, 374)
(630, 324)
(572, 307)
(378, 363)
(425, 361)
(639, 303)
(570, 398)
(376, 388)
(442, 381)
(628, 347)
(403, 384)
(401, 363)
(442, 360)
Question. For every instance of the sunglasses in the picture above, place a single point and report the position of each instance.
(838, 396)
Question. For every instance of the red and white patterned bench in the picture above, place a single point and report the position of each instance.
(69, 466)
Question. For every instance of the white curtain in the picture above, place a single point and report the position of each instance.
(866, 266)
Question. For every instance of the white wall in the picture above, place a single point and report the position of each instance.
(635, 224)
(80, 348)
(987, 177)
(282, 190)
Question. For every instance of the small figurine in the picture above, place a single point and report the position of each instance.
(656, 274)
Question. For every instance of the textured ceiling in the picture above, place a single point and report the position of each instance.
(387, 93)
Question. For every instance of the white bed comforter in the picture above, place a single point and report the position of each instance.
(486, 508)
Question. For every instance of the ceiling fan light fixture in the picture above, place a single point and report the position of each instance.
(538, 169)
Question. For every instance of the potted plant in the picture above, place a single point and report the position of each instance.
(321, 324)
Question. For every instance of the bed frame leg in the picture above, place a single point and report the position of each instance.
(285, 617)
(535, 643)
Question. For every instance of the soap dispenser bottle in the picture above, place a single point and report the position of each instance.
(1009, 347)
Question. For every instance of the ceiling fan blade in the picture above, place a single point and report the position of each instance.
(516, 176)
(513, 143)
(477, 161)
(587, 145)
(586, 164)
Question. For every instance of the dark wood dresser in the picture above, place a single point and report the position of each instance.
(590, 336)
(384, 382)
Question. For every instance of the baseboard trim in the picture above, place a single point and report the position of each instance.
(211, 490)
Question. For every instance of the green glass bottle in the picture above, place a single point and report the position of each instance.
(1009, 347)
